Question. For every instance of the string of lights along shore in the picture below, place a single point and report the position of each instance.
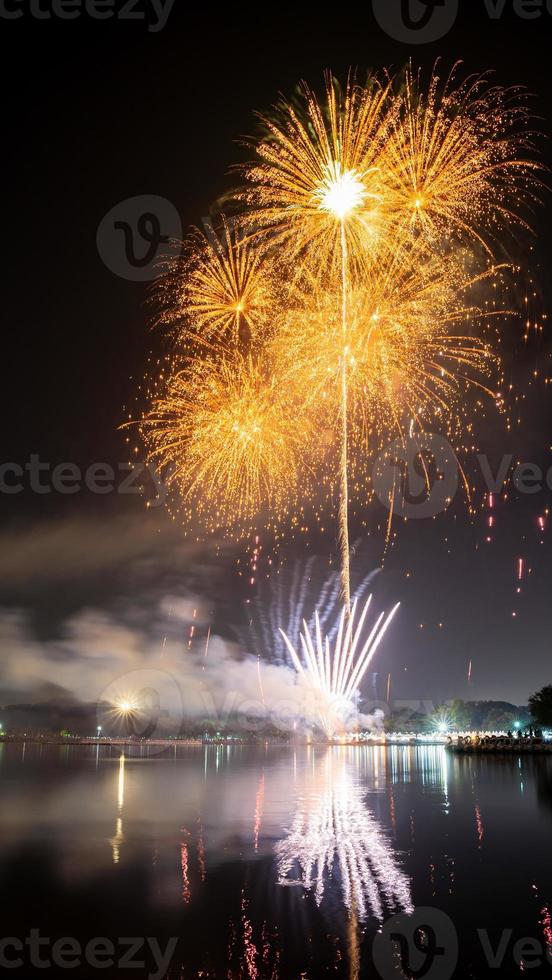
(354, 292)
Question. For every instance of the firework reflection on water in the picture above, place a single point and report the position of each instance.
(336, 842)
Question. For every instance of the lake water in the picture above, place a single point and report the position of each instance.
(274, 862)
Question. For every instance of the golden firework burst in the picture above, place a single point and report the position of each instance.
(222, 290)
(460, 158)
(319, 168)
(224, 432)
(404, 347)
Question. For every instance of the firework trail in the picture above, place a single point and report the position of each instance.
(289, 597)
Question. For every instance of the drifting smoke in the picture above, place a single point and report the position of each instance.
(145, 632)
(106, 658)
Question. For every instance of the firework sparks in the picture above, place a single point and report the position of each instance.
(336, 676)
(316, 190)
(408, 363)
(207, 641)
(191, 634)
(459, 160)
(285, 599)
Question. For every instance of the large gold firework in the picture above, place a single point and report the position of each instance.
(346, 183)
(348, 295)
(223, 432)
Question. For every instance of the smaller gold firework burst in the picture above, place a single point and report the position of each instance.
(225, 435)
(460, 159)
(222, 290)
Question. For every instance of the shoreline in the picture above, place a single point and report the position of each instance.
(404, 741)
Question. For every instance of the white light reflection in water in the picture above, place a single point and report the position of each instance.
(335, 838)
(118, 839)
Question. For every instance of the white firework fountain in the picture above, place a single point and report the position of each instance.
(334, 676)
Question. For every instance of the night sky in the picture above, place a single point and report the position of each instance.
(98, 111)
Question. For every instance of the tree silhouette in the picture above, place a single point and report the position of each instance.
(540, 705)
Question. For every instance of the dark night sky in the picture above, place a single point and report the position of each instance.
(95, 112)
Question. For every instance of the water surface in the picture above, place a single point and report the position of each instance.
(276, 862)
